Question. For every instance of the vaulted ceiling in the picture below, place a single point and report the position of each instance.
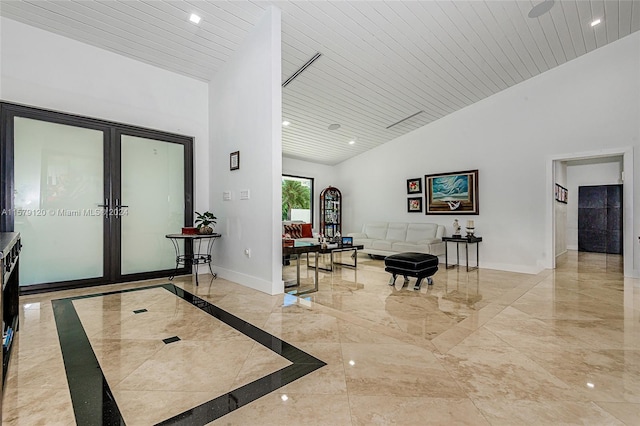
(386, 67)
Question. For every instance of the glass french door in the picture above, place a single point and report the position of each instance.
(58, 183)
(93, 200)
(152, 188)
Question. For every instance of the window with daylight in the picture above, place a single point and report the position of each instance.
(297, 198)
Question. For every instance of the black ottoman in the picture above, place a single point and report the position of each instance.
(419, 265)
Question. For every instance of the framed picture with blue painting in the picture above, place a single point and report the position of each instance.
(452, 193)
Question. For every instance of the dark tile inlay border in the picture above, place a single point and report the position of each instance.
(171, 340)
(93, 402)
(139, 311)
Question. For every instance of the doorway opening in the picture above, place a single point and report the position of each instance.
(613, 166)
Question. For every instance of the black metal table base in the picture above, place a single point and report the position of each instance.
(340, 249)
(466, 242)
(194, 259)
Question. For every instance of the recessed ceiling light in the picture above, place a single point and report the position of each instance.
(351, 142)
(541, 8)
(285, 123)
(194, 18)
(595, 22)
(334, 126)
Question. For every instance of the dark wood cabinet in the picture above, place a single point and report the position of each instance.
(330, 212)
(10, 246)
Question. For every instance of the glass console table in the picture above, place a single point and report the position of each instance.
(200, 253)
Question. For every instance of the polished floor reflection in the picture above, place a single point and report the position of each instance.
(485, 347)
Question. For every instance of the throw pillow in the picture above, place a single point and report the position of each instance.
(306, 230)
(294, 230)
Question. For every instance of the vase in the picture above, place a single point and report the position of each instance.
(206, 230)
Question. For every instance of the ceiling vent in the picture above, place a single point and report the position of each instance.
(302, 68)
(404, 119)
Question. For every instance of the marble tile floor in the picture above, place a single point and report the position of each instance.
(484, 347)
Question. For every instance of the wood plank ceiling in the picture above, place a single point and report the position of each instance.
(382, 61)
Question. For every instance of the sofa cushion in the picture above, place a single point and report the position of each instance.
(421, 231)
(382, 244)
(365, 242)
(357, 235)
(375, 230)
(402, 247)
(396, 232)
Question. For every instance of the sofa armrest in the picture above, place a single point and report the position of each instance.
(357, 235)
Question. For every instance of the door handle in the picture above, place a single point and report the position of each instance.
(119, 207)
(118, 204)
(106, 204)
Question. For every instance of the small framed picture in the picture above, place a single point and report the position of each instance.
(562, 194)
(414, 186)
(347, 241)
(414, 205)
(234, 160)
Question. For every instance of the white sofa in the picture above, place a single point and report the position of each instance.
(386, 238)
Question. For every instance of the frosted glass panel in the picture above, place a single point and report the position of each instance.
(153, 188)
(58, 184)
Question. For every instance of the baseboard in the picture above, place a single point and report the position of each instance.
(522, 269)
(250, 281)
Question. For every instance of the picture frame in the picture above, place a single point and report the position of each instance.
(234, 160)
(562, 194)
(414, 205)
(452, 193)
(414, 186)
(347, 241)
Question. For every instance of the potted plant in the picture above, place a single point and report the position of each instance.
(203, 220)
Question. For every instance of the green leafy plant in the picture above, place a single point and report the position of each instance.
(205, 219)
(294, 196)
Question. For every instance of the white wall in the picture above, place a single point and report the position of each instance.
(601, 173)
(323, 176)
(561, 209)
(246, 115)
(588, 104)
(49, 71)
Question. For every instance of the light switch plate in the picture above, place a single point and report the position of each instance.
(226, 196)
(244, 194)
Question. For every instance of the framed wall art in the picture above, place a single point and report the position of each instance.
(414, 186)
(414, 205)
(452, 193)
(562, 194)
(234, 160)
